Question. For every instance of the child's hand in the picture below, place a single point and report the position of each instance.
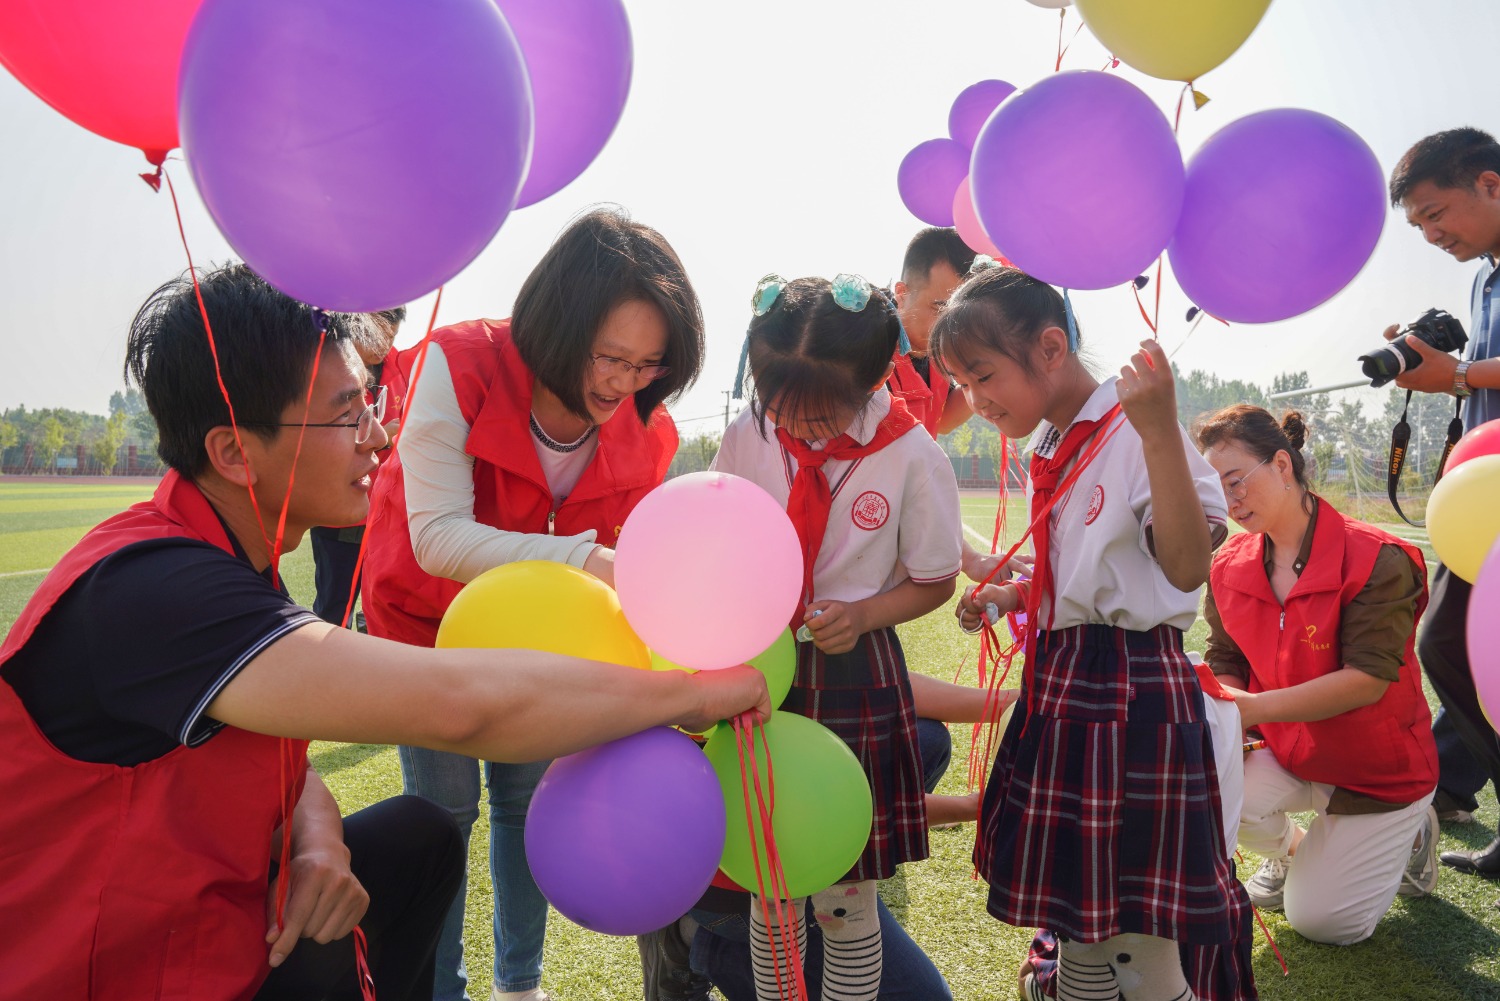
(1147, 392)
(835, 625)
(971, 606)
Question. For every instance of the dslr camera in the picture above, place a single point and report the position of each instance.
(1437, 327)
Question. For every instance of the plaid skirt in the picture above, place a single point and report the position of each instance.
(1102, 814)
(864, 696)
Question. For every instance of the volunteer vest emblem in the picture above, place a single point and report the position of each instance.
(870, 510)
(1096, 504)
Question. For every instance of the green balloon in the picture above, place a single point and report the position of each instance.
(823, 806)
(778, 663)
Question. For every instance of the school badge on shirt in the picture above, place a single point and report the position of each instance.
(870, 510)
(1096, 504)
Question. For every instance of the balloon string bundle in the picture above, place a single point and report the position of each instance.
(1062, 49)
(286, 748)
(1153, 319)
(783, 932)
(411, 388)
(362, 965)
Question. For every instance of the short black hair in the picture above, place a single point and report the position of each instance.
(600, 261)
(265, 341)
(811, 357)
(1000, 308)
(933, 245)
(1451, 159)
(391, 317)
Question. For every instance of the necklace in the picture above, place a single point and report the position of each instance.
(557, 446)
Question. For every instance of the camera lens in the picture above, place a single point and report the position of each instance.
(1384, 364)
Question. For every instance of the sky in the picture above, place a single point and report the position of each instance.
(765, 137)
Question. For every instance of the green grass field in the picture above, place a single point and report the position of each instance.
(1443, 946)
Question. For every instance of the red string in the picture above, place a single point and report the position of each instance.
(1062, 49)
(785, 925)
(411, 388)
(362, 964)
(1264, 930)
(1153, 320)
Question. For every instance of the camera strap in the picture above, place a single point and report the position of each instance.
(1400, 437)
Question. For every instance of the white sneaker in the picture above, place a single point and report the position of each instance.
(1268, 886)
(1421, 875)
(535, 994)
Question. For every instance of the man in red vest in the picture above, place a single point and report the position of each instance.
(160, 688)
(936, 261)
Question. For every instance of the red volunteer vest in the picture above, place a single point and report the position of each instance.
(1384, 750)
(925, 398)
(402, 601)
(140, 882)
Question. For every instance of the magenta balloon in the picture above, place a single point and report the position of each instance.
(1483, 631)
(624, 838)
(1078, 180)
(709, 570)
(929, 175)
(1282, 210)
(356, 153)
(974, 106)
(578, 56)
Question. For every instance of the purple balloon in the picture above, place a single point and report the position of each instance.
(928, 177)
(578, 56)
(974, 106)
(1078, 180)
(356, 153)
(624, 838)
(1282, 210)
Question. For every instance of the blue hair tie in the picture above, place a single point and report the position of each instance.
(739, 370)
(1072, 323)
(903, 343)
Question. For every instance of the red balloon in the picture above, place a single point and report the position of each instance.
(108, 65)
(1483, 440)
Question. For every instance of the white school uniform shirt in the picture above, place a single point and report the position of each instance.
(894, 514)
(1102, 567)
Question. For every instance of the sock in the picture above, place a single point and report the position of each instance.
(1147, 968)
(850, 923)
(763, 958)
(1083, 973)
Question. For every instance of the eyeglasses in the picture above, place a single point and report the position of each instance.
(606, 366)
(1236, 488)
(364, 428)
(851, 292)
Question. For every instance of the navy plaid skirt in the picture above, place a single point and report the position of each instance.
(1102, 814)
(864, 696)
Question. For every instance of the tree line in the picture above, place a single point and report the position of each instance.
(33, 441)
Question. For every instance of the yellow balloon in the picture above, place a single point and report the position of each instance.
(1172, 39)
(1463, 516)
(539, 605)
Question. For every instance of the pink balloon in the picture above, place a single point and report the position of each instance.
(966, 221)
(1483, 440)
(708, 570)
(1483, 630)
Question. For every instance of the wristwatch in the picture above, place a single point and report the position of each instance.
(1461, 387)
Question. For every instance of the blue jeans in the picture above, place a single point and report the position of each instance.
(721, 952)
(520, 923)
(936, 746)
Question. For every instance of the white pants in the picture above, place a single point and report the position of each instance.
(1348, 867)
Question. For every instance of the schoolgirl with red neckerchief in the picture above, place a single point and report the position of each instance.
(1101, 819)
(875, 503)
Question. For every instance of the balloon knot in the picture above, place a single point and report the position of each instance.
(1199, 98)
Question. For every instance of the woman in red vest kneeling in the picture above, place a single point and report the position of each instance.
(1313, 618)
(527, 439)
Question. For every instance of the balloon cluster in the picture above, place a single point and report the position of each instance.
(357, 153)
(624, 838)
(1079, 181)
(1463, 524)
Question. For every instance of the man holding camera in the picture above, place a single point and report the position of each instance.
(1448, 184)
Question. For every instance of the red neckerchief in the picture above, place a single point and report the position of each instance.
(1045, 476)
(811, 497)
